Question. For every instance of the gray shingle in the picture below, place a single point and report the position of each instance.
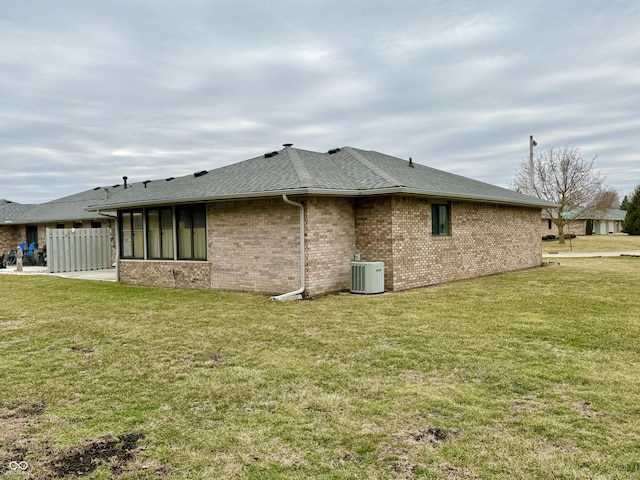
(69, 208)
(10, 212)
(347, 172)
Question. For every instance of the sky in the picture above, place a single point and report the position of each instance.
(93, 91)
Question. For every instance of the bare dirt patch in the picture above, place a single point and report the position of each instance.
(37, 461)
(431, 435)
(83, 459)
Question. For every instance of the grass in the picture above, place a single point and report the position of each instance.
(594, 243)
(527, 375)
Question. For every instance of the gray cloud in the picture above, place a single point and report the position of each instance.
(94, 91)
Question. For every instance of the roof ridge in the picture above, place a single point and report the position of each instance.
(373, 167)
(305, 179)
(349, 182)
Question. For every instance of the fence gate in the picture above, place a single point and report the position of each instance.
(78, 249)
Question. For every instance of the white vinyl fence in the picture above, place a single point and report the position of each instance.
(78, 249)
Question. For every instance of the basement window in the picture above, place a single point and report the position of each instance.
(441, 219)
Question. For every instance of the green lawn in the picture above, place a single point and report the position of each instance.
(594, 243)
(528, 375)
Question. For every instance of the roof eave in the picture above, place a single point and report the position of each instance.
(66, 218)
(488, 199)
(322, 192)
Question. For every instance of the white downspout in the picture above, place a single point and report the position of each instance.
(285, 296)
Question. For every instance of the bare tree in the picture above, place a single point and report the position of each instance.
(562, 176)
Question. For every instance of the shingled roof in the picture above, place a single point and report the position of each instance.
(343, 171)
(11, 212)
(69, 208)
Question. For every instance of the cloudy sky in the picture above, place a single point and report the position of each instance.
(92, 91)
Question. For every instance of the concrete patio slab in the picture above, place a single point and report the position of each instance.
(106, 275)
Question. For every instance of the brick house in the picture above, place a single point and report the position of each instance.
(11, 231)
(28, 223)
(294, 219)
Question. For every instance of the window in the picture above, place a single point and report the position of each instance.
(192, 232)
(59, 225)
(131, 234)
(160, 232)
(441, 219)
(96, 224)
(77, 224)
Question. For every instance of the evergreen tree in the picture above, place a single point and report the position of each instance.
(625, 203)
(632, 219)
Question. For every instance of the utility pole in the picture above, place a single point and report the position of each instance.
(532, 143)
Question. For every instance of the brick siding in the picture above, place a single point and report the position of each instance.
(253, 245)
(577, 227)
(196, 275)
(374, 239)
(485, 239)
(330, 244)
(10, 237)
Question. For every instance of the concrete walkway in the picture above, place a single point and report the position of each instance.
(106, 275)
(634, 253)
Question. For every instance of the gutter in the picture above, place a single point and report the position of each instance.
(286, 296)
(533, 202)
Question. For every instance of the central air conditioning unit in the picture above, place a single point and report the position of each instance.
(367, 277)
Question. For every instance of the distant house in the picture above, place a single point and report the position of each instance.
(610, 222)
(294, 219)
(28, 223)
(600, 223)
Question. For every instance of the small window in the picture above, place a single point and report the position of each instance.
(59, 225)
(441, 219)
(95, 224)
(77, 224)
(549, 224)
